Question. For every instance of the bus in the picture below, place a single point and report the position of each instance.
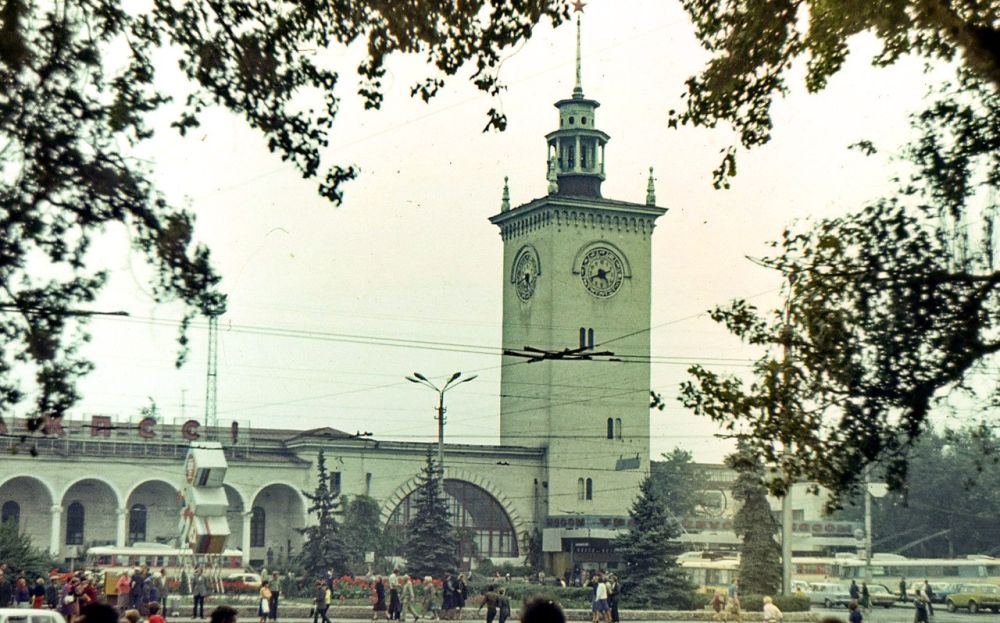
(890, 568)
(713, 571)
(111, 561)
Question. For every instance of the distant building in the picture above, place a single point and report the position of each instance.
(711, 528)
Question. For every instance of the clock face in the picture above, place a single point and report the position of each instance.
(525, 274)
(602, 272)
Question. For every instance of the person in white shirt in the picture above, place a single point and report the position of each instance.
(601, 610)
(771, 612)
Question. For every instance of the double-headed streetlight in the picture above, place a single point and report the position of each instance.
(452, 382)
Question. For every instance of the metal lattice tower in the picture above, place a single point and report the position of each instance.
(212, 370)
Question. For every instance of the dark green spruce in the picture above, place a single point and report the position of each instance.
(324, 548)
(760, 554)
(650, 575)
(431, 545)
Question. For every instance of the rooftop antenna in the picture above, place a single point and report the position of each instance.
(212, 311)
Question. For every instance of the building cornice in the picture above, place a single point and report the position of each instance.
(561, 211)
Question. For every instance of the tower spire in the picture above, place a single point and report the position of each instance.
(650, 189)
(505, 199)
(578, 89)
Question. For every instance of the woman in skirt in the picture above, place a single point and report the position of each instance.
(378, 598)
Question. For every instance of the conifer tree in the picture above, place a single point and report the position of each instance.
(431, 544)
(650, 575)
(361, 530)
(323, 549)
(760, 555)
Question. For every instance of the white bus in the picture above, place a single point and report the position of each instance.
(112, 561)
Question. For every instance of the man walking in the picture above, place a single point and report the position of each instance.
(199, 588)
(902, 590)
(929, 592)
(275, 592)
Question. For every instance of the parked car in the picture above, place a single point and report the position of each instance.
(881, 595)
(800, 586)
(941, 591)
(975, 597)
(242, 581)
(829, 594)
(30, 615)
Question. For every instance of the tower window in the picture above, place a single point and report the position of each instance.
(581, 490)
(590, 489)
(583, 121)
(611, 428)
(572, 120)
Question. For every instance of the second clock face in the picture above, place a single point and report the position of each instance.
(525, 274)
(602, 272)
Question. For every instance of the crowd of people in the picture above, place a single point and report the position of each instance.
(396, 596)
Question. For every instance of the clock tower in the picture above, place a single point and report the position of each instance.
(576, 321)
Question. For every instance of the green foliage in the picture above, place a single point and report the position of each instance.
(950, 495)
(650, 575)
(431, 545)
(678, 482)
(754, 45)
(79, 86)
(486, 569)
(760, 554)
(534, 557)
(360, 530)
(893, 306)
(20, 554)
(324, 549)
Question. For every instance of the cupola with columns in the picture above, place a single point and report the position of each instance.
(576, 149)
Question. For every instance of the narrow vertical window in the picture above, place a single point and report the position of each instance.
(580, 490)
(11, 512)
(583, 337)
(335, 485)
(137, 523)
(611, 428)
(590, 339)
(75, 520)
(618, 427)
(590, 489)
(368, 483)
(257, 527)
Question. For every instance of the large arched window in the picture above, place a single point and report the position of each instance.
(137, 523)
(257, 520)
(11, 512)
(484, 528)
(75, 520)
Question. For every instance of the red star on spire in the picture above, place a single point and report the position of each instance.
(578, 6)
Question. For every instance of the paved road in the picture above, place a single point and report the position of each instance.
(900, 614)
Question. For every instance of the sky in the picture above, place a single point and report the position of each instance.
(330, 307)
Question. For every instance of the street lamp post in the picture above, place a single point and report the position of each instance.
(452, 382)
